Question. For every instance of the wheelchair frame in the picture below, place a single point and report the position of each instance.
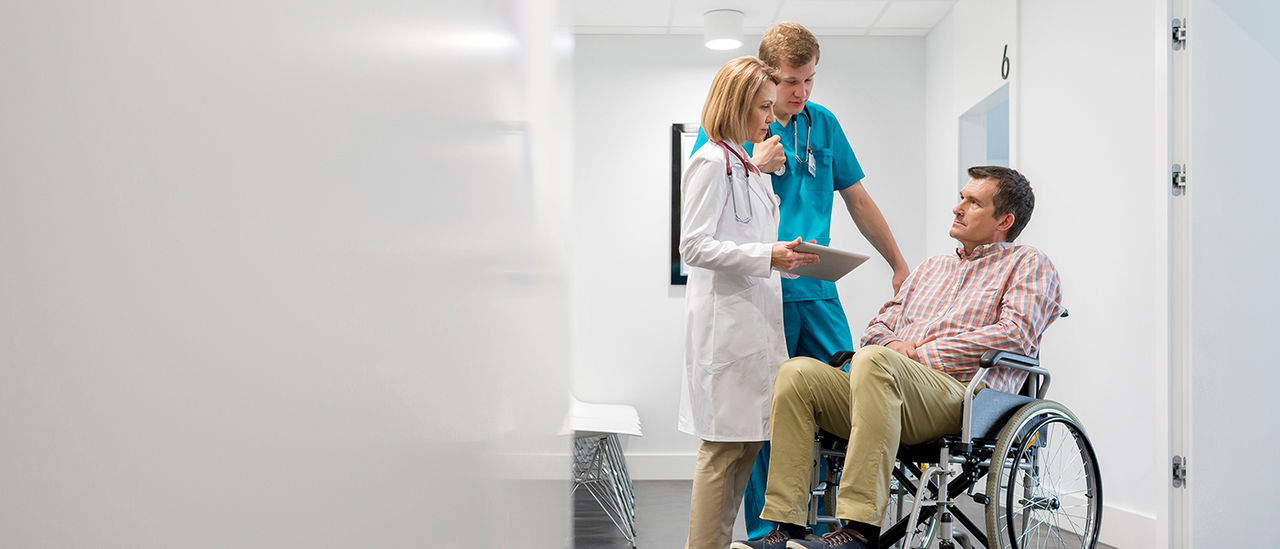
(1027, 422)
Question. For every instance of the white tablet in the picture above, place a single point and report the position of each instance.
(834, 264)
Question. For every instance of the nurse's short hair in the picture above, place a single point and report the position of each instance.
(789, 42)
(729, 101)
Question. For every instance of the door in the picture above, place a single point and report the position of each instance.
(1225, 263)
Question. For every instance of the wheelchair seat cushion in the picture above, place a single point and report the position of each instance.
(991, 411)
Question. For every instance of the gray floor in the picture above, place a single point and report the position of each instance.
(662, 518)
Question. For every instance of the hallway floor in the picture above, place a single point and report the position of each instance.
(662, 518)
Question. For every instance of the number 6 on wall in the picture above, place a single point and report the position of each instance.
(1004, 64)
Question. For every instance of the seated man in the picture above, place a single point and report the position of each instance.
(906, 384)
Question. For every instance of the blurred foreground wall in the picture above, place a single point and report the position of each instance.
(282, 274)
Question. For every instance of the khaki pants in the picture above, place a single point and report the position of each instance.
(885, 399)
(719, 480)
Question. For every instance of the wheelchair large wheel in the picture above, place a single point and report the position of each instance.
(1044, 482)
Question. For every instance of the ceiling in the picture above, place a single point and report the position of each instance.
(823, 17)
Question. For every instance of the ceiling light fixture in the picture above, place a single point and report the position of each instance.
(722, 29)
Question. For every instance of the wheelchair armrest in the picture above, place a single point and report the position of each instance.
(994, 357)
(841, 358)
(1006, 359)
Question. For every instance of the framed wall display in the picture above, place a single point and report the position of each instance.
(683, 136)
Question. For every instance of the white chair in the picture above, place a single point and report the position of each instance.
(598, 463)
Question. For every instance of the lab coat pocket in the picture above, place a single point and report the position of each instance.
(740, 326)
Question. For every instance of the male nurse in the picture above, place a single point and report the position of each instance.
(810, 159)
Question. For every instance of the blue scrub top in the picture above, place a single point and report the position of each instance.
(807, 199)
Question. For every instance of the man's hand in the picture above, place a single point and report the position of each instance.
(905, 349)
(785, 257)
(768, 155)
(909, 349)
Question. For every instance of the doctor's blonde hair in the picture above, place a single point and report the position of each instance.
(734, 88)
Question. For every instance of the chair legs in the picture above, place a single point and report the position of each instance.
(600, 467)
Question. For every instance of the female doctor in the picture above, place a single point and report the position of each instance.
(728, 237)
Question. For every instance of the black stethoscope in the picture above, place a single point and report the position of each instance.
(795, 144)
(728, 174)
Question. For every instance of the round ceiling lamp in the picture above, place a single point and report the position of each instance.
(722, 29)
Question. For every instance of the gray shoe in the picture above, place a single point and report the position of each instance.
(844, 538)
(776, 539)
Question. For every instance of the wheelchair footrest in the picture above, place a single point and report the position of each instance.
(820, 489)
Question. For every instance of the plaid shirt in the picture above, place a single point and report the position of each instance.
(1002, 296)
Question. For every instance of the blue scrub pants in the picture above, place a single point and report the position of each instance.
(816, 329)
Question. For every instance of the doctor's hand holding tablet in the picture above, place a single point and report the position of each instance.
(834, 263)
(786, 257)
(798, 258)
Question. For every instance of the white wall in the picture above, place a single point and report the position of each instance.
(962, 69)
(1090, 134)
(278, 275)
(628, 322)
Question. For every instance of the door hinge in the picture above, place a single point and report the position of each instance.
(1179, 471)
(1179, 179)
(1179, 34)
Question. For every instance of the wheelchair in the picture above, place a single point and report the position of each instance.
(1043, 486)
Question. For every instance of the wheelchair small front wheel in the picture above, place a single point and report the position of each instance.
(1044, 482)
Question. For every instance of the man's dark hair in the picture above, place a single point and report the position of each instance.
(1013, 195)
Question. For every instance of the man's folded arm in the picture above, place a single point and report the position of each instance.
(880, 331)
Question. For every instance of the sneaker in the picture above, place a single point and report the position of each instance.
(844, 538)
(776, 539)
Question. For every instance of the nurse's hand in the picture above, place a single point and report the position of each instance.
(899, 276)
(785, 256)
(768, 155)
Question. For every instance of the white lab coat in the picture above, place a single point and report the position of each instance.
(735, 341)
